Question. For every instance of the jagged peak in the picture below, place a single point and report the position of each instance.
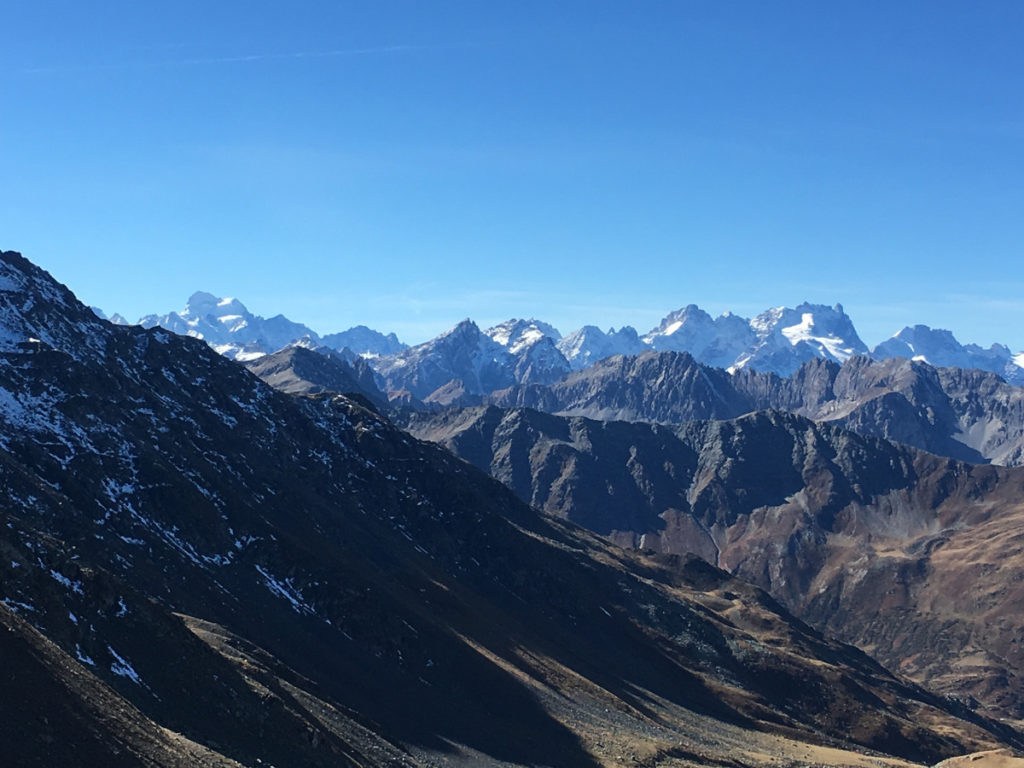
(464, 327)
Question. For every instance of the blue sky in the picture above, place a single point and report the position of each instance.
(408, 164)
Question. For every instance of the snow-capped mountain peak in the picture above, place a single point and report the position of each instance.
(786, 338)
(828, 328)
(716, 341)
(229, 327)
(521, 351)
(586, 346)
(516, 334)
(940, 347)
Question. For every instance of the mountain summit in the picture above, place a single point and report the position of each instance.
(229, 327)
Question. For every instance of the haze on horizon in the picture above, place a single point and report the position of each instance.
(404, 166)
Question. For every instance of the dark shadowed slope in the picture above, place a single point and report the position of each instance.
(54, 712)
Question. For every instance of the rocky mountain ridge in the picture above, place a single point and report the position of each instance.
(971, 415)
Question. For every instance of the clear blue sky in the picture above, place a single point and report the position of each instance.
(408, 164)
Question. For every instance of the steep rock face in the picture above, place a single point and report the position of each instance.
(460, 365)
(855, 534)
(463, 355)
(293, 580)
(970, 415)
(539, 363)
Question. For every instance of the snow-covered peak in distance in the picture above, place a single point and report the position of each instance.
(777, 340)
(116, 319)
(365, 342)
(718, 342)
(515, 335)
(786, 338)
(939, 347)
(584, 347)
(230, 328)
(202, 304)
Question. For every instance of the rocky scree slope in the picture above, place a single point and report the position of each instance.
(916, 558)
(293, 580)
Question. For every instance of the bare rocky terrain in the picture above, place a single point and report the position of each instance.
(912, 557)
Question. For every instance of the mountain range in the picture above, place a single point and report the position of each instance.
(464, 361)
(199, 569)
(231, 329)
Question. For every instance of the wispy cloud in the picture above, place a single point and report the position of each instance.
(237, 59)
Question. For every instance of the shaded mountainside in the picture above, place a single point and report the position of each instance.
(54, 712)
(916, 558)
(970, 415)
(294, 580)
(297, 370)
